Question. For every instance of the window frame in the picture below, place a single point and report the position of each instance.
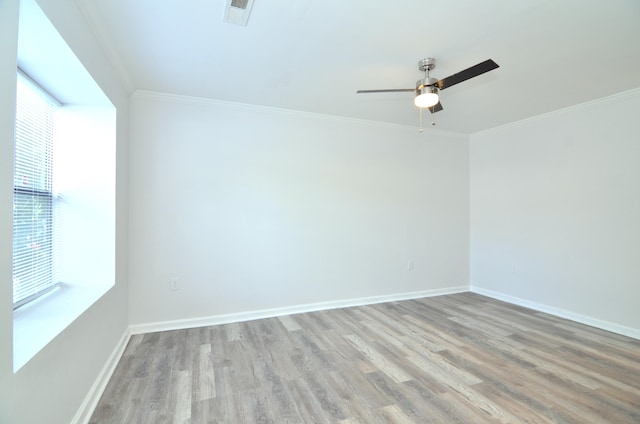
(45, 270)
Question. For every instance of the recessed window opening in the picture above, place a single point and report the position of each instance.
(64, 187)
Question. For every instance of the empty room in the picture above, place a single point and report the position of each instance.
(252, 211)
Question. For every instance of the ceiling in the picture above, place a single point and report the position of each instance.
(312, 55)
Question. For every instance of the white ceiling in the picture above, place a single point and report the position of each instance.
(312, 55)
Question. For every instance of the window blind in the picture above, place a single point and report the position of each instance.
(33, 199)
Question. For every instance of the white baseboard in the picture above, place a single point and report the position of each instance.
(91, 400)
(562, 313)
(289, 310)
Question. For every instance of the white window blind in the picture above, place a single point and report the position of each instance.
(33, 199)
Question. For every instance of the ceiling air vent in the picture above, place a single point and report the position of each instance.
(237, 11)
(240, 4)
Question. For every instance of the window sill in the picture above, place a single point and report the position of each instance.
(39, 322)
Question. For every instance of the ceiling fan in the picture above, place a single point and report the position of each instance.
(427, 88)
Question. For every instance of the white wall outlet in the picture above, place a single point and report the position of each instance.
(514, 268)
(174, 283)
(410, 265)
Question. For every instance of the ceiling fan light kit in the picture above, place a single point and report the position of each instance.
(426, 96)
(426, 91)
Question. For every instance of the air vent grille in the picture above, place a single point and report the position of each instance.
(240, 4)
(237, 11)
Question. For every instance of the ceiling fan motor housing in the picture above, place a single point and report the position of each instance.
(426, 82)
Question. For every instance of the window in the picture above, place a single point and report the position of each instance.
(64, 187)
(33, 198)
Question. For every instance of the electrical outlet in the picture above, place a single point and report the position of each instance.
(174, 283)
(410, 265)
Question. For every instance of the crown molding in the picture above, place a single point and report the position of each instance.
(245, 107)
(559, 112)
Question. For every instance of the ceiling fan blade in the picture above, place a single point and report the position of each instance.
(435, 108)
(390, 90)
(474, 71)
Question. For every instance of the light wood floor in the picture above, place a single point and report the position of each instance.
(460, 358)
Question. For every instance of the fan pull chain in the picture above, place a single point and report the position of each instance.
(433, 122)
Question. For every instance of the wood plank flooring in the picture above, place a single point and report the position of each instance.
(460, 358)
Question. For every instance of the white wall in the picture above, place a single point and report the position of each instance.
(558, 198)
(52, 386)
(84, 146)
(255, 209)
